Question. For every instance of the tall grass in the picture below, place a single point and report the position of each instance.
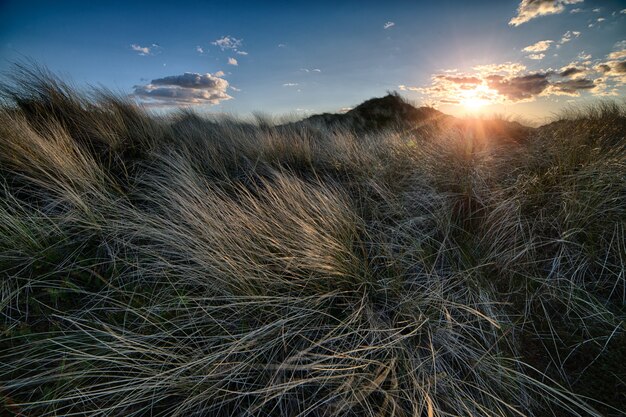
(180, 266)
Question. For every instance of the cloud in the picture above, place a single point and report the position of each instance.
(530, 9)
(596, 10)
(519, 88)
(219, 74)
(512, 83)
(388, 25)
(572, 87)
(614, 68)
(186, 89)
(621, 67)
(242, 53)
(623, 11)
(540, 46)
(459, 80)
(506, 68)
(536, 57)
(145, 50)
(227, 42)
(600, 19)
(282, 45)
(199, 50)
(403, 87)
(232, 61)
(576, 10)
(617, 54)
(290, 84)
(567, 72)
(568, 36)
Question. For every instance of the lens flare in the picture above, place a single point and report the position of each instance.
(476, 98)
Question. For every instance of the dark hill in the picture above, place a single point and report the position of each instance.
(393, 112)
(390, 111)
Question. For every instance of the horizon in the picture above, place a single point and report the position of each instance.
(527, 60)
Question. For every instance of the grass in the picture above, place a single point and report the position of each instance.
(181, 266)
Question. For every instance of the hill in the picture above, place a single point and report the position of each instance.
(393, 112)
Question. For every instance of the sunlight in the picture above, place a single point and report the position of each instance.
(476, 98)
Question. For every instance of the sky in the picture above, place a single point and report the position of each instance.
(527, 59)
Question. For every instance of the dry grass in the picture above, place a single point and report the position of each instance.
(181, 266)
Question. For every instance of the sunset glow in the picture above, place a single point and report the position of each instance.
(477, 98)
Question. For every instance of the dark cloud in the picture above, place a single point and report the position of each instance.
(519, 88)
(570, 71)
(573, 86)
(493, 84)
(185, 89)
(620, 67)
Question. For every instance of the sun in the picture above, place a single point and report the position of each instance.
(473, 103)
(475, 98)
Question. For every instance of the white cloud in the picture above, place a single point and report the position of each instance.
(623, 11)
(242, 53)
(219, 74)
(596, 10)
(618, 54)
(227, 42)
(403, 87)
(145, 50)
(199, 50)
(569, 35)
(282, 45)
(600, 19)
(530, 9)
(577, 10)
(388, 25)
(186, 89)
(540, 46)
(536, 56)
(509, 68)
(232, 61)
(290, 84)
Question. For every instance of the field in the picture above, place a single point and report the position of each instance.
(177, 265)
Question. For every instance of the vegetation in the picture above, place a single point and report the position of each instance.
(181, 266)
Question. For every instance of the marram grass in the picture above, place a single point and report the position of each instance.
(180, 266)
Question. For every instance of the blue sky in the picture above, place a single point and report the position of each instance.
(309, 57)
